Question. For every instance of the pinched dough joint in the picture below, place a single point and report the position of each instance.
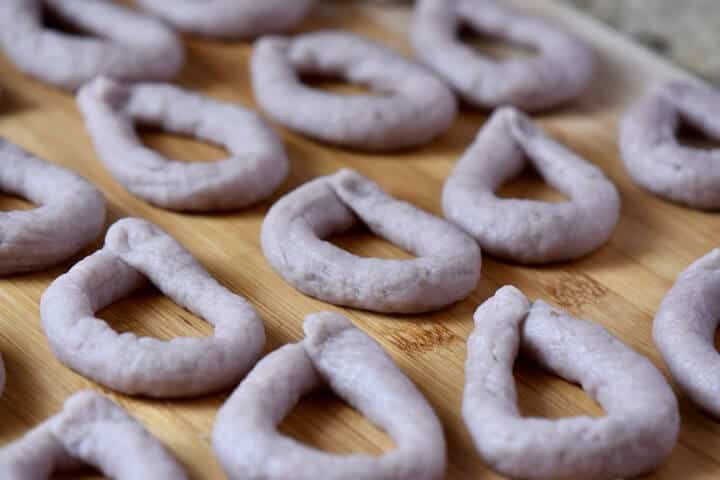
(121, 43)
(411, 107)
(257, 167)
(642, 422)
(559, 72)
(653, 155)
(522, 230)
(70, 213)
(136, 250)
(684, 331)
(90, 430)
(446, 270)
(230, 18)
(337, 355)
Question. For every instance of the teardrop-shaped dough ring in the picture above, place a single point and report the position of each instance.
(521, 230)
(135, 250)
(92, 430)
(412, 108)
(642, 422)
(230, 18)
(336, 354)
(684, 331)
(561, 70)
(126, 45)
(70, 216)
(657, 161)
(257, 167)
(446, 270)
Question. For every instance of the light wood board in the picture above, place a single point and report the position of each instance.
(620, 286)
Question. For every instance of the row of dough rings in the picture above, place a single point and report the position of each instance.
(635, 437)
(70, 217)
(90, 430)
(127, 44)
(447, 268)
(230, 18)
(136, 250)
(257, 167)
(560, 71)
(353, 365)
(652, 154)
(413, 107)
(529, 231)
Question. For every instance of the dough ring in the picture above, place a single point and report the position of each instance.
(446, 270)
(529, 231)
(684, 331)
(123, 43)
(135, 249)
(92, 430)
(561, 70)
(230, 18)
(412, 108)
(655, 159)
(642, 422)
(335, 354)
(71, 214)
(257, 167)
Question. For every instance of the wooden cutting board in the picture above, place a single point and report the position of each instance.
(620, 286)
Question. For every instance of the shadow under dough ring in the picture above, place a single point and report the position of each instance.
(121, 43)
(559, 71)
(655, 158)
(521, 230)
(411, 106)
(257, 167)
(90, 430)
(70, 216)
(135, 250)
(335, 354)
(642, 422)
(446, 270)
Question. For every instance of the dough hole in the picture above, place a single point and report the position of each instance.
(494, 48)
(529, 185)
(180, 147)
(337, 85)
(11, 202)
(361, 242)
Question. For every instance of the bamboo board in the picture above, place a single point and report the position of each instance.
(620, 286)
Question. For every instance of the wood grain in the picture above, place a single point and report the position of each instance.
(619, 286)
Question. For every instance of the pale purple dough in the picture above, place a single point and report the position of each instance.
(334, 354)
(684, 331)
(529, 231)
(135, 250)
(412, 106)
(657, 161)
(121, 43)
(642, 422)
(90, 430)
(69, 217)
(230, 18)
(559, 72)
(446, 270)
(257, 167)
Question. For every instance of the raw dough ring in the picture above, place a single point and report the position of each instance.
(230, 18)
(655, 159)
(126, 44)
(529, 231)
(135, 249)
(257, 167)
(684, 331)
(414, 107)
(93, 430)
(71, 214)
(642, 422)
(336, 354)
(560, 71)
(446, 270)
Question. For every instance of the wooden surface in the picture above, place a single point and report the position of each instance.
(619, 286)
